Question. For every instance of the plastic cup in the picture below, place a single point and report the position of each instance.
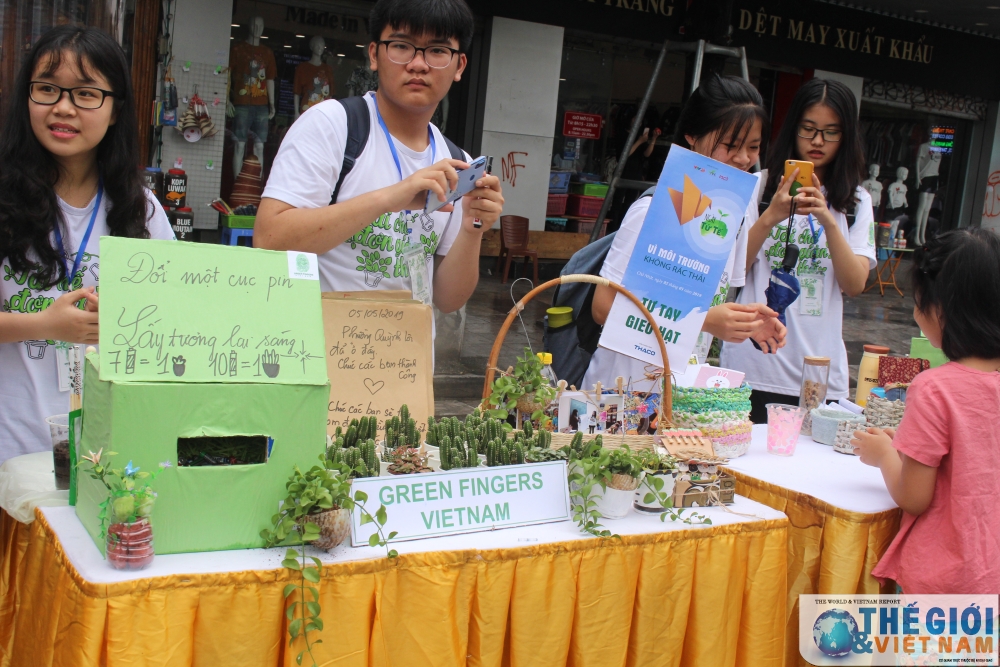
(784, 422)
(59, 430)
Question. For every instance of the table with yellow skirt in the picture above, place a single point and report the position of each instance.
(841, 520)
(662, 594)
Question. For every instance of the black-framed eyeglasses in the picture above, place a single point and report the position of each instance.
(403, 53)
(810, 133)
(83, 97)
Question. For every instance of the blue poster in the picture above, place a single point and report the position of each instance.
(680, 256)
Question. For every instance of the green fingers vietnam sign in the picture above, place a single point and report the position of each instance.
(187, 312)
(465, 500)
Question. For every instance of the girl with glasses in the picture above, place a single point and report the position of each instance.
(69, 174)
(834, 228)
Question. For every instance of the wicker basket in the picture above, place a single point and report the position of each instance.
(560, 439)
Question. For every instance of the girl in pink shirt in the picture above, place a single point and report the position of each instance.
(942, 466)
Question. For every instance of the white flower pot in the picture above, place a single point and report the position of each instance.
(644, 488)
(612, 503)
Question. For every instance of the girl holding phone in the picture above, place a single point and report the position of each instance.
(834, 228)
(69, 174)
(723, 120)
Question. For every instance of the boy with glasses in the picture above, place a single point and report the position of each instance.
(360, 224)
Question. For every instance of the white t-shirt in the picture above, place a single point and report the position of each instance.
(305, 173)
(29, 381)
(606, 366)
(808, 335)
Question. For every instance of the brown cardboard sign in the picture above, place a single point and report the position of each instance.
(378, 357)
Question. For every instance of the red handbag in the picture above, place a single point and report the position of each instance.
(899, 370)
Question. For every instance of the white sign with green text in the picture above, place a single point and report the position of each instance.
(464, 500)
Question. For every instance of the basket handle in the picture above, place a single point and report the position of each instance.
(666, 396)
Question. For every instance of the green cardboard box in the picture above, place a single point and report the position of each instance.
(209, 508)
(921, 348)
(205, 341)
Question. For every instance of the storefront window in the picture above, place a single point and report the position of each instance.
(24, 21)
(912, 170)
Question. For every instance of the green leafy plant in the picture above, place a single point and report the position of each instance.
(589, 467)
(316, 490)
(654, 463)
(524, 379)
(130, 497)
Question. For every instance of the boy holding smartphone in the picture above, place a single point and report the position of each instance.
(418, 50)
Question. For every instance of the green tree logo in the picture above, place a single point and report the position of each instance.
(302, 263)
(374, 265)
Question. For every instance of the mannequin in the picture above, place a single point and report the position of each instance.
(873, 186)
(313, 79)
(362, 80)
(251, 105)
(928, 167)
(897, 195)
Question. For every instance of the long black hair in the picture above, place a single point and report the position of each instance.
(957, 275)
(847, 170)
(29, 210)
(726, 104)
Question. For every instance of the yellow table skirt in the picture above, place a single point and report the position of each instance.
(830, 550)
(712, 596)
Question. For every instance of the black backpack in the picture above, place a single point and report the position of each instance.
(358, 128)
(572, 345)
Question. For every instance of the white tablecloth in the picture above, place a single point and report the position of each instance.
(27, 482)
(89, 562)
(841, 480)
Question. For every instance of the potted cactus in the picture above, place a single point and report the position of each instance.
(657, 488)
(355, 448)
(624, 474)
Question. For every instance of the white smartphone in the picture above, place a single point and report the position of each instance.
(466, 183)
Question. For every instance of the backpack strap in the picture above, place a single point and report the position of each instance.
(456, 152)
(358, 128)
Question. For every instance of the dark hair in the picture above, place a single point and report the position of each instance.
(29, 210)
(847, 170)
(444, 18)
(957, 275)
(726, 104)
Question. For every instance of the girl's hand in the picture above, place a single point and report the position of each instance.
(812, 201)
(734, 322)
(64, 321)
(874, 445)
(781, 202)
(484, 204)
(771, 335)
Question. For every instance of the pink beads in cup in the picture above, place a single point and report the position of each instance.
(784, 422)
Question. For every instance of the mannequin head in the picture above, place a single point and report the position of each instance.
(256, 27)
(873, 170)
(902, 173)
(317, 45)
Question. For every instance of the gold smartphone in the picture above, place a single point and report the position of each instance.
(805, 177)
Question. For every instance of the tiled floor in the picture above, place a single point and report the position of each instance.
(458, 382)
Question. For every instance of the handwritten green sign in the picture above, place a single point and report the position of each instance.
(193, 312)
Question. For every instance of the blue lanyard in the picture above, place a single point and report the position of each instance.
(392, 145)
(812, 229)
(83, 244)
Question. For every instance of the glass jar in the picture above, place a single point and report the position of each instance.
(812, 392)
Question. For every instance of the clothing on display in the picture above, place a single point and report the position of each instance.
(313, 84)
(251, 66)
(249, 120)
(873, 186)
(30, 387)
(362, 81)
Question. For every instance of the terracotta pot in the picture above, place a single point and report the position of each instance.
(129, 546)
(334, 527)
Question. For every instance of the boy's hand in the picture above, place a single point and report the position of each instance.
(482, 206)
(873, 445)
(411, 192)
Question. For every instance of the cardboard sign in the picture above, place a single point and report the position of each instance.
(678, 262)
(378, 357)
(198, 312)
(582, 125)
(464, 500)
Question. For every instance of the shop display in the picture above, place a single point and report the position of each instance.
(873, 186)
(195, 124)
(252, 71)
(897, 204)
(175, 188)
(812, 393)
(248, 187)
(313, 79)
(153, 178)
(868, 372)
(928, 169)
(182, 222)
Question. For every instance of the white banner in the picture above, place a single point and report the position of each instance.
(464, 500)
